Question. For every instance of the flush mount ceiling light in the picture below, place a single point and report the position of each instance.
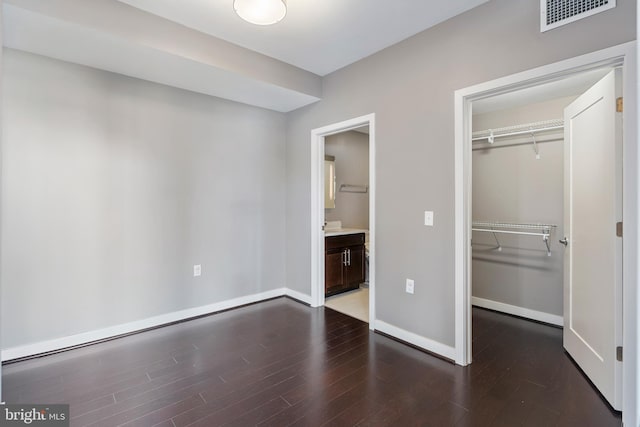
(261, 12)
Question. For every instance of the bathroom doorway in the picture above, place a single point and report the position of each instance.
(344, 216)
(346, 225)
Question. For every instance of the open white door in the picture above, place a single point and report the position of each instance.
(593, 254)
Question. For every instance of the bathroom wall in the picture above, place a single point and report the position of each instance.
(351, 150)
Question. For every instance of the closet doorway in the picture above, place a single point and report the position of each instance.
(546, 165)
(542, 196)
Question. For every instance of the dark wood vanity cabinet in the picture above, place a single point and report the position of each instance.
(343, 263)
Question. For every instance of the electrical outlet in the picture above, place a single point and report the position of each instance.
(428, 218)
(409, 287)
(197, 270)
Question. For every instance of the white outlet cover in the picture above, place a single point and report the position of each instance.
(428, 218)
(197, 270)
(410, 286)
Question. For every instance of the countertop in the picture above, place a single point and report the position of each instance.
(343, 231)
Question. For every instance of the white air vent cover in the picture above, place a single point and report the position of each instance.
(554, 13)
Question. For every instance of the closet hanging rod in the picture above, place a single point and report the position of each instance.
(515, 225)
(525, 129)
(523, 233)
(524, 132)
(544, 230)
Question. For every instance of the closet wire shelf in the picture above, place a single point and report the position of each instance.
(542, 230)
(522, 129)
(530, 129)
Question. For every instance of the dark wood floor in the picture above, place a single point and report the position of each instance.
(280, 363)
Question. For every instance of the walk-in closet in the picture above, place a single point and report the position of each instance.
(546, 220)
(518, 209)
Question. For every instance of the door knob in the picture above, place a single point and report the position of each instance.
(564, 241)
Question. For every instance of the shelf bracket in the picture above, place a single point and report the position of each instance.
(535, 145)
(499, 248)
(546, 242)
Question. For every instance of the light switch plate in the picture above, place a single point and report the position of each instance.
(428, 218)
(197, 270)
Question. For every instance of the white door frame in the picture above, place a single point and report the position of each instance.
(317, 207)
(623, 55)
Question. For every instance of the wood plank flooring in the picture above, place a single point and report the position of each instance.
(280, 363)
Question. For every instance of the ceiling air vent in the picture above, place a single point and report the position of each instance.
(554, 13)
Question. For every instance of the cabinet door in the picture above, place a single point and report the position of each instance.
(355, 269)
(334, 277)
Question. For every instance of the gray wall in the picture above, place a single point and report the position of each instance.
(351, 150)
(509, 184)
(410, 88)
(113, 188)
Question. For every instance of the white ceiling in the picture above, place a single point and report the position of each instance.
(40, 34)
(203, 46)
(181, 44)
(320, 36)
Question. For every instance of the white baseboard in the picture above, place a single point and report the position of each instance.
(298, 296)
(126, 328)
(540, 316)
(417, 340)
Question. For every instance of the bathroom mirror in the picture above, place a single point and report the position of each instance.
(329, 182)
